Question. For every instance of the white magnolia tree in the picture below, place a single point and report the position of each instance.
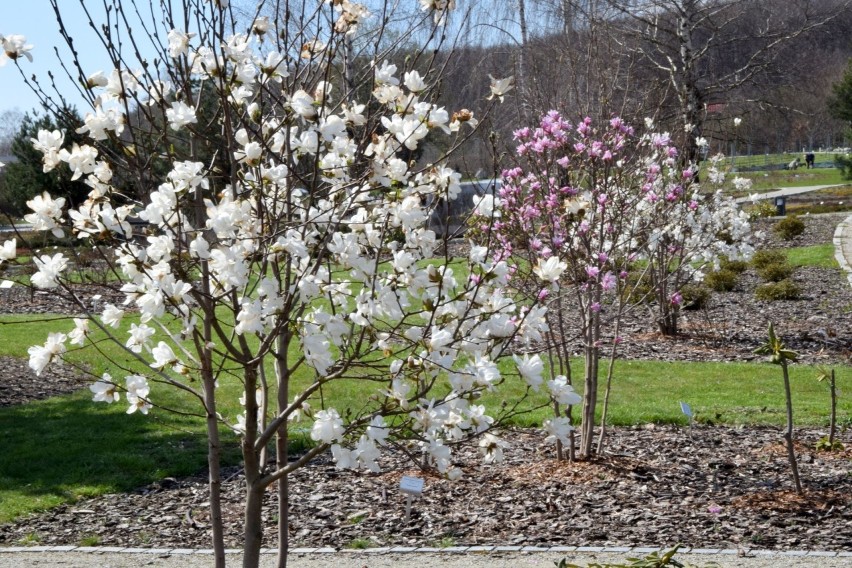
(285, 237)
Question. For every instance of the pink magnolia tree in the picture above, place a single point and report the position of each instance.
(589, 211)
(285, 238)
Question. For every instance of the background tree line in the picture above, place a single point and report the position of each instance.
(691, 65)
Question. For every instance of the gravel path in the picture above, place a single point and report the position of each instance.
(407, 560)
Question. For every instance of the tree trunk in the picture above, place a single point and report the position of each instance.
(832, 425)
(689, 92)
(590, 394)
(253, 522)
(253, 530)
(668, 319)
(214, 479)
(282, 452)
(608, 388)
(523, 87)
(788, 434)
(590, 399)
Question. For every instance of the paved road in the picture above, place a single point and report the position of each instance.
(788, 191)
(11, 229)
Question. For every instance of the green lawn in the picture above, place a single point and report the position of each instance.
(63, 448)
(775, 161)
(820, 256)
(765, 175)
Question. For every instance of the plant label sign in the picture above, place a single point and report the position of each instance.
(411, 485)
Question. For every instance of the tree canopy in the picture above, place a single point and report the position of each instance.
(840, 104)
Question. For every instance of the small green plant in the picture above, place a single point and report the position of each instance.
(768, 256)
(445, 542)
(30, 539)
(360, 544)
(775, 291)
(653, 560)
(761, 209)
(90, 540)
(828, 375)
(638, 287)
(789, 228)
(775, 272)
(825, 444)
(695, 297)
(721, 280)
(780, 355)
(737, 266)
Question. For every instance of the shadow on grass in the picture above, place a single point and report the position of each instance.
(64, 448)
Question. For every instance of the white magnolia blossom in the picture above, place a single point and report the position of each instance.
(530, 369)
(491, 448)
(180, 114)
(77, 336)
(9, 250)
(328, 426)
(440, 8)
(81, 159)
(562, 392)
(98, 123)
(49, 270)
(487, 206)
(414, 82)
(97, 79)
(550, 270)
(140, 336)
(558, 429)
(137, 394)
(105, 390)
(49, 143)
(14, 46)
(46, 214)
(499, 87)
(111, 315)
(163, 355)
(179, 43)
(42, 355)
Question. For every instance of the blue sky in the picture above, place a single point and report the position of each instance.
(37, 23)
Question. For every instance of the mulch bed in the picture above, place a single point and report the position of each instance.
(705, 487)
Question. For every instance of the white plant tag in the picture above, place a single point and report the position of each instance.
(411, 485)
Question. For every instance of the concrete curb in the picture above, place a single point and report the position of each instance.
(843, 246)
(448, 551)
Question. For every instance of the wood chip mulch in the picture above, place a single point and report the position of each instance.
(709, 487)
